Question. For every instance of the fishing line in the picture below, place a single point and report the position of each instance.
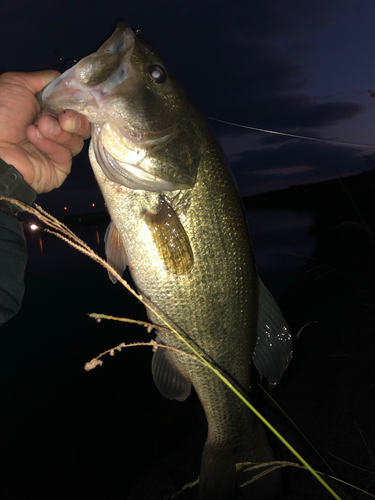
(294, 135)
(64, 63)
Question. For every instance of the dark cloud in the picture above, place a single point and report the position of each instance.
(292, 163)
(303, 153)
(238, 61)
(296, 111)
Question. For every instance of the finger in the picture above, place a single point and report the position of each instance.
(75, 123)
(39, 79)
(57, 153)
(33, 81)
(49, 128)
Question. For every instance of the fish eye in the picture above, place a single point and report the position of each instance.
(157, 74)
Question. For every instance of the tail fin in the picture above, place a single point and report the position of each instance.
(267, 486)
(218, 470)
(218, 473)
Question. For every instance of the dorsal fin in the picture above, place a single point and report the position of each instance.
(273, 349)
(115, 251)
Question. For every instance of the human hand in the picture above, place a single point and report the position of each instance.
(38, 144)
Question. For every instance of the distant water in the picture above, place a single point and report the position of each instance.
(55, 411)
(49, 254)
(281, 244)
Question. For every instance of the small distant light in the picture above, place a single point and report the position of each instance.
(33, 227)
(93, 204)
(65, 208)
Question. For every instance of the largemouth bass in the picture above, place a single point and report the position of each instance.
(179, 225)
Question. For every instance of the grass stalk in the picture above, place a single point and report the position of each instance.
(61, 231)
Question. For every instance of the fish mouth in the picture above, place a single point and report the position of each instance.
(84, 86)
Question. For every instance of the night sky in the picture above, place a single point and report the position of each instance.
(294, 66)
(298, 67)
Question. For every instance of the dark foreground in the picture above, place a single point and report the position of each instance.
(67, 433)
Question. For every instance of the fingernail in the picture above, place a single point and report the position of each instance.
(38, 134)
(55, 128)
(71, 122)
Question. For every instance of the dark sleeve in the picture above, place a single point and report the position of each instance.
(13, 257)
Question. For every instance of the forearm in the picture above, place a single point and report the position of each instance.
(36, 151)
(13, 257)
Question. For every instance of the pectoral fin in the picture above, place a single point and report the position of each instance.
(170, 238)
(273, 350)
(115, 251)
(167, 378)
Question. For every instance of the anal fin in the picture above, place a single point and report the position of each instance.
(167, 378)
